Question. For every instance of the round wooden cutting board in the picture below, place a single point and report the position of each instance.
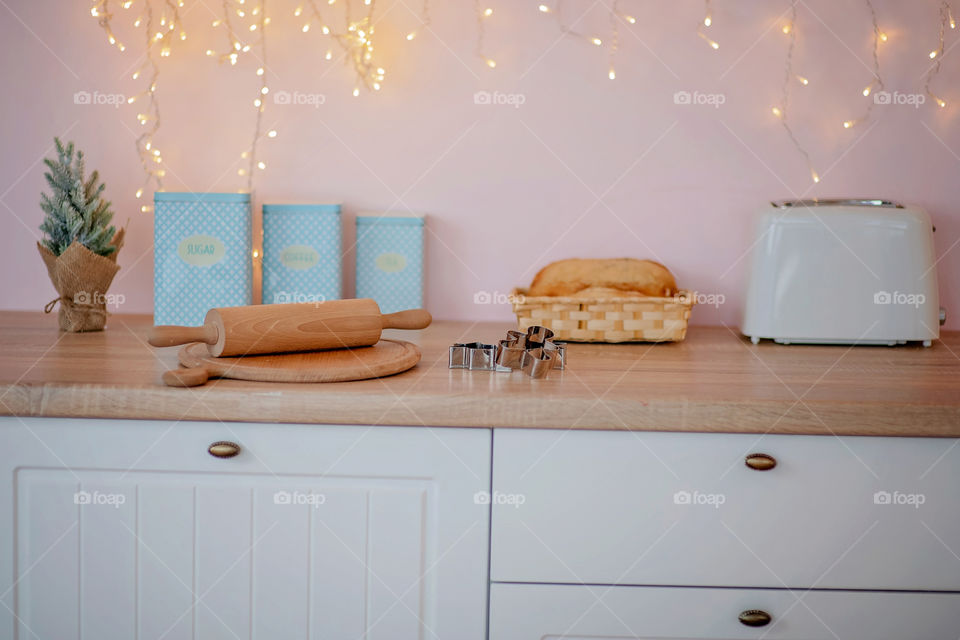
(385, 358)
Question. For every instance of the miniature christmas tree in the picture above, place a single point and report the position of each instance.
(75, 211)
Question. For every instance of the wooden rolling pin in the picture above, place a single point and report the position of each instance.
(279, 328)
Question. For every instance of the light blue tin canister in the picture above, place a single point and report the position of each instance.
(301, 253)
(390, 261)
(201, 255)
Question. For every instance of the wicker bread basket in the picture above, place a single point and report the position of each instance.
(626, 319)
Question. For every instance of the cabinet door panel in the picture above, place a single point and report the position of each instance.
(316, 532)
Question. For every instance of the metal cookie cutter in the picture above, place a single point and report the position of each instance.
(533, 352)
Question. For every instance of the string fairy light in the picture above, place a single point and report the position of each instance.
(237, 46)
(946, 20)
(424, 20)
(876, 83)
(615, 17)
(781, 110)
(158, 44)
(564, 28)
(356, 40)
(613, 46)
(258, 103)
(482, 14)
(707, 21)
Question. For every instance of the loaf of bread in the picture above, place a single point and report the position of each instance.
(604, 278)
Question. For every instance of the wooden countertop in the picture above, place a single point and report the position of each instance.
(714, 381)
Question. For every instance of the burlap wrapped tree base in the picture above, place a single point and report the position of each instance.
(81, 278)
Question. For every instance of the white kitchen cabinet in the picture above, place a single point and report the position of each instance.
(578, 612)
(132, 529)
(684, 509)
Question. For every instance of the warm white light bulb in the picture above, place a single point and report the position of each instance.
(612, 74)
(596, 41)
(271, 134)
(487, 12)
(847, 124)
(544, 8)
(491, 63)
(933, 54)
(411, 35)
(707, 21)
(776, 111)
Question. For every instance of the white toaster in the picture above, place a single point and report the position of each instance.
(843, 272)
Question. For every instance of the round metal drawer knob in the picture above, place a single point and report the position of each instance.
(755, 618)
(224, 449)
(760, 461)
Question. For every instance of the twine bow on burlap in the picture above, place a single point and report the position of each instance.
(82, 278)
(78, 316)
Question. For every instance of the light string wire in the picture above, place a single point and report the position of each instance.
(564, 28)
(425, 20)
(614, 38)
(705, 23)
(781, 111)
(482, 14)
(946, 18)
(155, 38)
(876, 83)
(236, 46)
(356, 40)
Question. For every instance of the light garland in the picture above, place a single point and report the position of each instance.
(558, 12)
(946, 19)
(237, 46)
(158, 40)
(356, 40)
(707, 21)
(781, 110)
(876, 84)
(424, 20)
(615, 17)
(614, 38)
(482, 14)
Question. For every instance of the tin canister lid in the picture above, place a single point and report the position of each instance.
(395, 219)
(188, 196)
(302, 208)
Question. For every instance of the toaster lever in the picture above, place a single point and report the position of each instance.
(836, 202)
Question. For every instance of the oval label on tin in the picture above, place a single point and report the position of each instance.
(201, 250)
(299, 257)
(391, 262)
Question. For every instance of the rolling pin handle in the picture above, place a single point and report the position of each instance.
(409, 319)
(192, 377)
(170, 336)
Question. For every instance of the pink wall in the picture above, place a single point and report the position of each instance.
(585, 167)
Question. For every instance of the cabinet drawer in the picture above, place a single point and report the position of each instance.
(685, 509)
(576, 612)
(126, 529)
